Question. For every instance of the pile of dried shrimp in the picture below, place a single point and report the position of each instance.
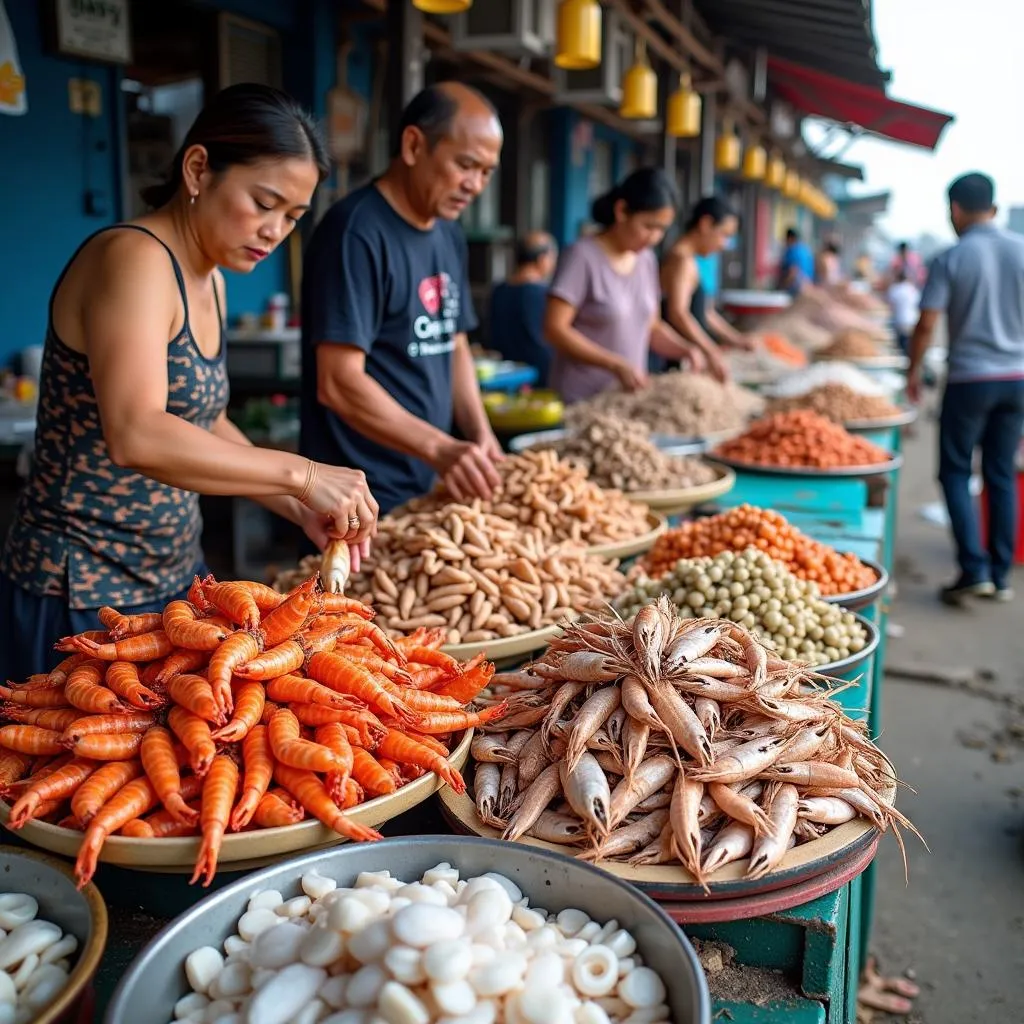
(663, 741)
(540, 489)
(239, 708)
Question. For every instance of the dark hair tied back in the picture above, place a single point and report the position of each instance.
(714, 207)
(644, 191)
(244, 124)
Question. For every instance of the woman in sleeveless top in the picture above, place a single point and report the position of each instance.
(687, 306)
(132, 423)
(603, 315)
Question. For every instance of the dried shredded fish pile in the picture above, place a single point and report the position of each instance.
(470, 572)
(540, 489)
(671, 741)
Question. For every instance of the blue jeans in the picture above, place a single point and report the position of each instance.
(989, 414)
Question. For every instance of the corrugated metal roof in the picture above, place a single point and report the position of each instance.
(828, 35)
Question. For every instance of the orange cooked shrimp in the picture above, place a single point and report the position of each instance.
(130, 802)
(70, 644)
(57, 786)
(144, 647)
(219, 790)
(181, 661)
(123, 626)
(423, 701)
(292, 688)
(181, 627)
(59, 675)
(197, 597)
(334, 739)
(293, 615)
(123, 679)
(266, 598)
(315, 714)
(339, 604)
(284, 734)
(137, 721)
(195, 737)
(407, 751)
(372, 661)
(12, 766)
(30, 739)
(35, 697)
(435, 723)
(250, 701)
(276, 661)
(238, 649)
(428, 741)
(367, 725)
(311, 794)
(433, 658)
(393, 768)
(431, 638)
(96, 790)
(195, 694)
(233, 601)
(470, 685)
(277, 809)
(160, 825)
(106, 746)
(258, 762)
(48, 718)
(372, 632)
(85, 691)
(347, 677)
(369, 773)
(269, 708)
(161, 767)
(39, 769)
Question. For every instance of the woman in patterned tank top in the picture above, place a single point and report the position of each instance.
(132, 423)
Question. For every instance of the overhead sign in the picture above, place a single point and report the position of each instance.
(93, 29)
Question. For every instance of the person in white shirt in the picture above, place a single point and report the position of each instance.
(904, 301)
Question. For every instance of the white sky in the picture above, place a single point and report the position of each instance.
(965, 57)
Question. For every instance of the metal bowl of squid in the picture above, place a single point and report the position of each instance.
(156, 980)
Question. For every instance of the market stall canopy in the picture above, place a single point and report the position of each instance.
(823, 95)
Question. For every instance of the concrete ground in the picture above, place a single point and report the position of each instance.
(959, 924)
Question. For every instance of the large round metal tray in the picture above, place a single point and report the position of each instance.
(886, 361)
(635, 545)
(241, 850)
(506, 650)
(155, 981)
(674, 500)
(674, 882)
(856, 599)
(670, 444)
(902, 419)
(854, 472)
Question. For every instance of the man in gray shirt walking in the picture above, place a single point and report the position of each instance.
(979, 285)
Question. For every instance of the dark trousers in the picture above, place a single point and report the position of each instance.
(987, 414)
(30, 625)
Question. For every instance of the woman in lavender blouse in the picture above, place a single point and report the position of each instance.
(604, 307)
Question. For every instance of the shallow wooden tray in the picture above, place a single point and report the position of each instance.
(512, 648)
(635, 545)
(241, 850)
(855, 472)
(674, 500)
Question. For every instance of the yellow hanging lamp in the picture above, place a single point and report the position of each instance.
(775, 173)
(682, 117)
(727, 149)
(755, 163)
(578, 37)
(442, 6)
(791, 186)
(639, 88)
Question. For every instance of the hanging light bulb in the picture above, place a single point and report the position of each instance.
(442, 6)
(727, 149)
(806, 194)
(775, 174)
(755, 162)
(639, 88)
(791, 186)
(578, 40)
(682, 118)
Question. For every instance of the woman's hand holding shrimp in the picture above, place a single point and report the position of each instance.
(342, 495)
(321, 530)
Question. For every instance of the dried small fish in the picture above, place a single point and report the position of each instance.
(485, 791)
(561, 829)
(652, 775)
(770, 848)
(628, 839)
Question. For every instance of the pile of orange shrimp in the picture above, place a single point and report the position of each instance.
(239, 708)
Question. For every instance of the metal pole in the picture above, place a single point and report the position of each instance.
(708, 132)
(406, 51)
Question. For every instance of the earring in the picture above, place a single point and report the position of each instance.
(192, 199)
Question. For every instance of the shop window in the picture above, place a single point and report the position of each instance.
(249, 52)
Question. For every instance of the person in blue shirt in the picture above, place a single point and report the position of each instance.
(387, 374)
(796, 270)
(979, 285)
(518, 304)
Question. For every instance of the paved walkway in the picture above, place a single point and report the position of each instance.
(960, 923)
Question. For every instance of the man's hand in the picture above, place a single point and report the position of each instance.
(914, 391)
(467, 469)
(630, 377)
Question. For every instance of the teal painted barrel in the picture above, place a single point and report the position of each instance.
(858, 670)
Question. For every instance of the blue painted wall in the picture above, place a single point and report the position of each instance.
(51, 158)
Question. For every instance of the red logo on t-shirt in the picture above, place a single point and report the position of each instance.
(431, 290)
